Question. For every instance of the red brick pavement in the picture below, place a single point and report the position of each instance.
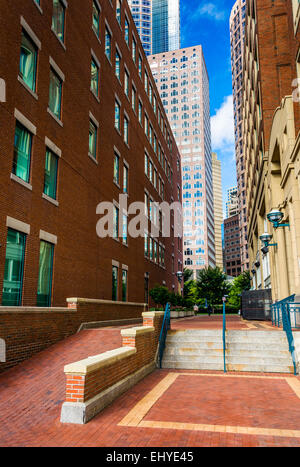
(216, 322)
(32, 393)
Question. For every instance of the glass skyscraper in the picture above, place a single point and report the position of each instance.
(165, 25)
(158, 24)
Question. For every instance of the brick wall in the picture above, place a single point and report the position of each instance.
(84, 383)
(27, 331)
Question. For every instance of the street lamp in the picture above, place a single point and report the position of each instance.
(276, 217)
(266, 239)
(180, 277)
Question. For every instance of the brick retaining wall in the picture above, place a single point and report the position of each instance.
(27, 331)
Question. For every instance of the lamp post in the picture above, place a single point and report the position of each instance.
(224, 330)
(276, 217)
(266, 239)
(180, 277)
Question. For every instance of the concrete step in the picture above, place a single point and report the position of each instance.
(261, 368)
(175, 351)
(257, 346)
(259, 360)
(195, 344)
(216, 366)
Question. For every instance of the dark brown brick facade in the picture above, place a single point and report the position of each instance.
(82, 261)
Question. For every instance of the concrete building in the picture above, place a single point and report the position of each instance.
(232, 204)
(218, 208)
(75, 133)
(142, 14)
(237, 38)
(271, 144)
(182, 80)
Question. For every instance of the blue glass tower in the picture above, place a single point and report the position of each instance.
(165, 26)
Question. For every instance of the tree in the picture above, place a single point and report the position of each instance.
(240, 284)
(212, 285)
(160, 295)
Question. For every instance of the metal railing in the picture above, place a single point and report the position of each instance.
(163, 334)
(286, 322)
(224, 336)
(293, 310)
(276, 310)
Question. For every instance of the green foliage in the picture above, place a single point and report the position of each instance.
(160, 295)
(212, 285)
(240, 284)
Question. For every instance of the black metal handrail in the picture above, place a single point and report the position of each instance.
(164, 332)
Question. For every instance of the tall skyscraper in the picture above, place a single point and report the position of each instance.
(237, 35)
(232, 204)
(183, 84)
(218, 208)
(165, 25)
(158, 24)
(142, 15)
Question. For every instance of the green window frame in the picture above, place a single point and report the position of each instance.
(22, 152)
(51, 170)
(125, 230)
(96, 19)
(117, 169)
(58, 19)
(94, 77)
(55, 93)
(14, 268)
(44, 291)
(126, 130)
(124, 285)
(93, 140)
(118, 65)
(28, 61)
(116, 223)
(117, 116)
(125, 179)
(115, 272)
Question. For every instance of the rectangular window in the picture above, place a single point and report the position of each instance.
(126, 32)
(50, 181)
(58, 19)
(146, 247)
(115, 271)
(126, 130)
(94, 77)
(146, 164)
(133, 50)
(140, 66)
(28, 61)
(118, 65)
(140, 112)
(93, 140)
(146, 126)
(22, 153)
(96, 19)
(108, 44)
(116, 222)
(125, 179)
(125, 230)
(14, 268)
(124, 285)
(126, 83)
(44, 292)
(55, 93)
(151, 248)
(117, 116)
(117, 169)
(133, 99)
(118, 11)
(146, 82)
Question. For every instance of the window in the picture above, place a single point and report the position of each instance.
(126, 130)
(140, 66)
(14, 268)
(146, 246)
(140, 112)
(133, 50)
(55, 94)
(116, 223)
(108, 44)
(118, 65)
(45, 274)
(125, 179)
(118, 11)
(58, 19)
(50, 181)
(93, 140)
(22, 152)
(116, 169)
(28, 61)
(125, 230)
(115, 271)
(133, 99)
(94, 77)
(117, 116)
(126, 84)
(126, 32)
(96, 19)
(124, 285)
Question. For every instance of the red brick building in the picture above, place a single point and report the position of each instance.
(81, 124)
(232, 251)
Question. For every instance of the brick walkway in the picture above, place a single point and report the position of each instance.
(216, 322)
(168, 408)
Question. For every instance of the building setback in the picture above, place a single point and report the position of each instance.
(142, 14)
(182, 80)
(218, 208)
(271, 135)
(237, 39)
(81, 117)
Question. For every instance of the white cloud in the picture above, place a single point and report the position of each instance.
(211, 10)
(222, 128)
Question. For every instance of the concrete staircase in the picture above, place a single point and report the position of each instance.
(252, 351)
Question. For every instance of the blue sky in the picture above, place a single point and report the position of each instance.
(206, 22)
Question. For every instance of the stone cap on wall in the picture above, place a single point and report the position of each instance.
(104, 302)
(132, 332)
(90, 364)
(28, 309)
(152, 314)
